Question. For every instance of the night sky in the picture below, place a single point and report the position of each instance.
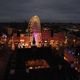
(47, 10)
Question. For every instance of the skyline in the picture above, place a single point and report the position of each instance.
(48, 11)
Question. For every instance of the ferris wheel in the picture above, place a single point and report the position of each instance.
(34, 25)
(34, 29)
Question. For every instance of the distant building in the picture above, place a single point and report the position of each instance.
(46, 34)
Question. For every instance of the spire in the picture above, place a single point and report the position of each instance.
(34, 42)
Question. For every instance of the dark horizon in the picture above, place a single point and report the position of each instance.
(25, 21)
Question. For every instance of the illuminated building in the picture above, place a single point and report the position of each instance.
(46, 34)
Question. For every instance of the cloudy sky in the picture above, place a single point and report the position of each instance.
(47, 10)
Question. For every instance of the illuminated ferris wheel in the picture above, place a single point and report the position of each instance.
(34, 25)
(34, 29)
